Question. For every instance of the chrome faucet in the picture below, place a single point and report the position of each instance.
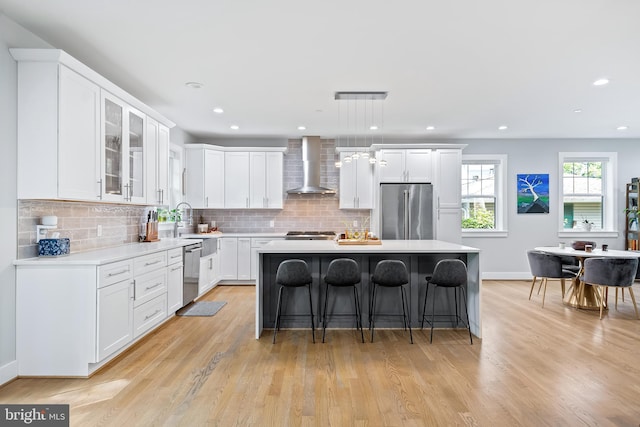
(175, 228)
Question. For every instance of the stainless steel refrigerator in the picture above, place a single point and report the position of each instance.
(406, 211)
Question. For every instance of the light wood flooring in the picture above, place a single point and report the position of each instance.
(556, 366)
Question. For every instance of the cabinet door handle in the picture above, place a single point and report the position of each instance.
(206, 201)
(176, 268)
(246, 202)
(152, 314)
(147, 264)
(210, 263)
(153, 287)
(117, 273)
(176, 256)
(100, 186)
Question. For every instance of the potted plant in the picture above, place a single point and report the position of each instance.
(586, 225)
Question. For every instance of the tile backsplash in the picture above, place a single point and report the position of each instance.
(79, 222)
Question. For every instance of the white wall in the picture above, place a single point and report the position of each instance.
(506, 257)
(11, 35)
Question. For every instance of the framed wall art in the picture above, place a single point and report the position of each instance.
(533, 193)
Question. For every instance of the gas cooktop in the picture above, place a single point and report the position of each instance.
(310, 235)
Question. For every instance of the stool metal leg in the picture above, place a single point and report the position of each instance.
(372, 314)
(433, 313)
(466, 310)
(313, 329)
(324, 315)
(424, 306)
(277, 325)
(408, 314)
(356, 302)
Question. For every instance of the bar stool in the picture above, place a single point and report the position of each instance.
(449, 273)
(343, 272)
(390, 274)
(293, 273)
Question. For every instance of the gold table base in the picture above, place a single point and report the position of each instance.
(583, 296)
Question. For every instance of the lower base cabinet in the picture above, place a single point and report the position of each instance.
(71, 319)
(209, 273)
(115, 317)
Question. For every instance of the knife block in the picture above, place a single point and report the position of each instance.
(152, 232)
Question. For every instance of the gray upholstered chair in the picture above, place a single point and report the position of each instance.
(448, 273)
(293, 273)
(343, 272)
(611, 272)
(545, 266)
(390, 274)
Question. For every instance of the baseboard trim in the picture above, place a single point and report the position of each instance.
(506, 275)
(8, 372)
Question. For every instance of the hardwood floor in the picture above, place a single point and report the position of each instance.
(555, 366)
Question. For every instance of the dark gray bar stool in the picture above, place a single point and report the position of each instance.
(293, 273)
(449, 273)
(343, 272)
(390, 274)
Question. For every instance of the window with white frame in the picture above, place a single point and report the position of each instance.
(587, 196)
(483, 197)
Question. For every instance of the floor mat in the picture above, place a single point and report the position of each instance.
(201, 308)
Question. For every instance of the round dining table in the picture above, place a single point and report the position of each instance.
(582, 295)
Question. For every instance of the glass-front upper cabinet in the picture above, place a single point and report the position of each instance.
(123, 149)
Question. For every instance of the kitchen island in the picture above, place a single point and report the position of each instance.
(420, 257)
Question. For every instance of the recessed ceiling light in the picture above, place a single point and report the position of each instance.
(578, 110)
(622, 127)
(373, 127)
(234, 127)
(218, 110)
(601, 82)
(503, 127)
(431, 127)
(302, 128)
(194, 85)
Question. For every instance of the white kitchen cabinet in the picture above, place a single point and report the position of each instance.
(236, 183)
(229, 258)
(115, 317)
(61, 132)
(447, 186)
(244, 258)
(123, 151)
(406, 165)
(356, 183)
(157, 166)
(265, 180)
(58, 133)
(205, 177)
(209, 273)
(174, 284)
(235, 258)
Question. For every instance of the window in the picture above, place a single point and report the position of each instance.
(587, 193)
(483, 192)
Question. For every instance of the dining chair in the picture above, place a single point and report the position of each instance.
(545, 266)
(618, 273)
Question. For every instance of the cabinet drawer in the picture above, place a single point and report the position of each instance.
(174, 256)
(149, 286)
(147, 263)
(149, 314)
(115, 272)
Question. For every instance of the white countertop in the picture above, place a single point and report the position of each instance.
(218, 235)
(387, 246)
(107, 255)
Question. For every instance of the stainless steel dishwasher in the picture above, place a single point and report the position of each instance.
(192, 254)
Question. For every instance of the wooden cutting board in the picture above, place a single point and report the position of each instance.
(359, 242)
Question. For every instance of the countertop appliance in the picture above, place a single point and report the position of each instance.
(310, 235)
(406, 211)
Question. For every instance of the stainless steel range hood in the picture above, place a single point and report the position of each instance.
(311, 168)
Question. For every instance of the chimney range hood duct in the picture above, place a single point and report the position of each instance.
(311, 168)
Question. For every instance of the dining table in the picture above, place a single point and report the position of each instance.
(580, 294)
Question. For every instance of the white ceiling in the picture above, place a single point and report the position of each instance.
(463, 66)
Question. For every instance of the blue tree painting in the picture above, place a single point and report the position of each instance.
(533, 193)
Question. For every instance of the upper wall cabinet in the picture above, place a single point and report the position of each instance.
(80, 131)
(205, 178)
(236, 180)
(356, 183)
(406, 165)
(157, 168)
(265, 180)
